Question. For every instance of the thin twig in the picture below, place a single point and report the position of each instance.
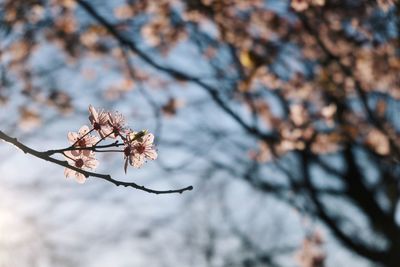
(101, 139)
(54, 151)
(80, 138)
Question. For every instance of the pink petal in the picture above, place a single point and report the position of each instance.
(110, 117)
(136, 160)
(80, 178)
(91, 140)
(76, 153)
(93, 114)
(68, 172)
(72, 137)
(103, 118)
(86, 153)
(148, 139)
(105, 130)
(151, 154)
(91, 163)
(83, 130)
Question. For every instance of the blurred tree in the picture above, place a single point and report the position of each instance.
(311, 88)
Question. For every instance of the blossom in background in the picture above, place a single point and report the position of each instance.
(138, 149)
(328, 113)
(311, 252)
(318, 2)
(117, 123)
(82, 162)
(301, 5)
(378, 142)
(385, 5)
(298, 114)
(100, 121)
(82, 139)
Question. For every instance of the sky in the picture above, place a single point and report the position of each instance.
(48, 220)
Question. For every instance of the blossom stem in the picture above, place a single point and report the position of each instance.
(104, 137)
(93, 148)
(109, 150)
(68, 156)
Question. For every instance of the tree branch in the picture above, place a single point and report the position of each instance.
(45, 156)
(213, 92)
(92, 148)
(347, 240)
(363, 96)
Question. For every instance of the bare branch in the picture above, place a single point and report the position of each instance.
(45, 156)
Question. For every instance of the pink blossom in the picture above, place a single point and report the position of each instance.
(311, 252)
(138, 149)
(300, 5)
(82, 162)
(117, 123)
(82, 139)
(100, 121)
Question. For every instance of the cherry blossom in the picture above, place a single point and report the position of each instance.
(298, 114)
(299, 5)
(82, 139)
(82, 162)
(100, 121)
(311, 252)
(318, 2)
(138, 149)
(378, 142)
(138, 145)
(117, 123)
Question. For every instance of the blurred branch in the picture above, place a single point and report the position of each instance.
(46, 157)
(331, 222)
(357, 85)
(365, 199)
(147, 96)
(213, 92)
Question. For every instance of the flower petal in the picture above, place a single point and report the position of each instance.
(83, 130)
(105, 131)
(80, 178)
(136, 160)
(148, 139)
(151, 154)
(76, 153)
(72, 137)
(91, 163)
(86, 153)
(93, 114)
(68, 172)
(103, 118)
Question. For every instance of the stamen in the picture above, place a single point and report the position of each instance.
(79, 163)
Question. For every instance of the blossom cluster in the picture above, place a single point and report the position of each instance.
(137, 146)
